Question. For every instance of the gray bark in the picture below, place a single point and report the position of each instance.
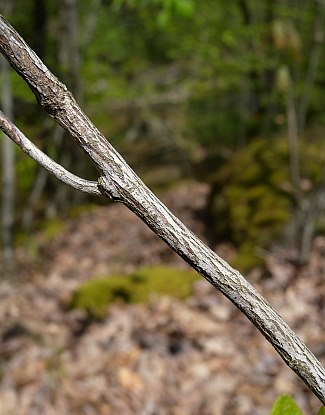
(119, 182)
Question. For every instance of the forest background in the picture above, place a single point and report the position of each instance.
(207, 91)
(230, 95)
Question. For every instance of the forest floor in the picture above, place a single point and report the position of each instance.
(168, 357)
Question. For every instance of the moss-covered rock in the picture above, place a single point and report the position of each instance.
(252, 196)
(95, 295)
(247, 258)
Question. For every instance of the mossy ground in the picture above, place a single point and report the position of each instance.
(95, 295)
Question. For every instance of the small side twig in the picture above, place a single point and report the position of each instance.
(45, 161)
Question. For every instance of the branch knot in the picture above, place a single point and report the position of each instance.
(108, 187)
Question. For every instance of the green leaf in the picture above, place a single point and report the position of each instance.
(285, 405)
(184, 8)
(321, 411)
(163, 18)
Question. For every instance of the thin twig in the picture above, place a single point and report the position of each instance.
(41, 158)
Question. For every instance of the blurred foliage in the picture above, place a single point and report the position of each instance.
(228, 55)
(95, 295)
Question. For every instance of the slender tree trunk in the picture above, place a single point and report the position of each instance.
(294, 168)
(307, 210)
(34, 197)
(315, 205)
(313, 65)
(293, 144)
(8, 171)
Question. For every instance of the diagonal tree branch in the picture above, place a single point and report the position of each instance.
(41, 158)
(119, 182)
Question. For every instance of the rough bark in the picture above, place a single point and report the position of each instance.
(119, 182)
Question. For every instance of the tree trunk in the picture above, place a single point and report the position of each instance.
(293, 145)
(8, 171)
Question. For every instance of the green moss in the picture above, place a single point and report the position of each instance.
(79, 210)
(95, 295)
(320, 227)
(52, 228)
(246, 259)
(32, 242)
